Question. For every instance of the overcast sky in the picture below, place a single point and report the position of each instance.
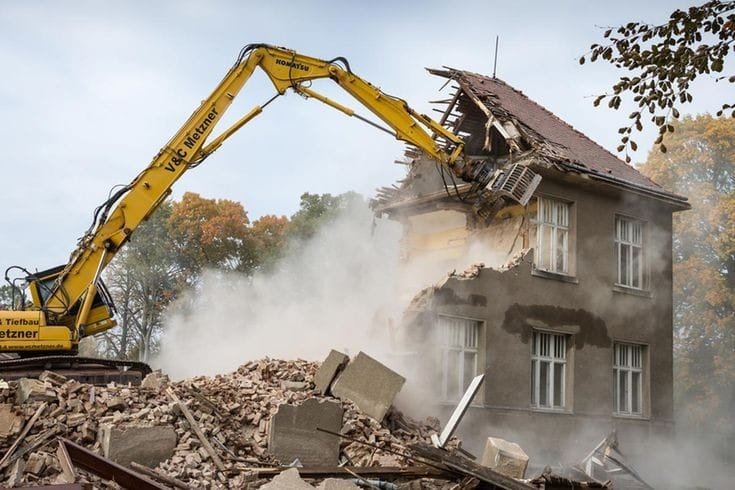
(90, 91)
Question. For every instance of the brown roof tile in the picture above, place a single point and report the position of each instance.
(502, 99)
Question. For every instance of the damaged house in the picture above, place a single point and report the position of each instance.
(569, 315)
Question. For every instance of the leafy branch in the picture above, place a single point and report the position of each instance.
(665, 59)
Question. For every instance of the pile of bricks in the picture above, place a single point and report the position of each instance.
(204, 431)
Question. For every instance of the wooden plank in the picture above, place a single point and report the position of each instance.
(109, 470)
(469, 468)
(22, 435)
(197, 430)
(158, 476)
(67, 468)
(381, 472)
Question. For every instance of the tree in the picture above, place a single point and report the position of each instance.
(316, 210)
(6, 297)
(701, 165)
(268, 237)
(143, 279)
(664, 60)
(209, 233)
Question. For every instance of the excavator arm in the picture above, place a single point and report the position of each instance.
(67, 296)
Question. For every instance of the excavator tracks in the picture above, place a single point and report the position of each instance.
(84, 369)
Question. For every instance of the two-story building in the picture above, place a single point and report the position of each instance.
(570, 317)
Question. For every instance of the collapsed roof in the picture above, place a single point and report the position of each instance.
(501, 123)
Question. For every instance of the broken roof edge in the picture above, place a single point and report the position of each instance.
(653, 189)
(680, 203)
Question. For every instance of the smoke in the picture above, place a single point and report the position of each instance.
(345, 288)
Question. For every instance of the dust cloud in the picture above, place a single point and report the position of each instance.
(345, 288)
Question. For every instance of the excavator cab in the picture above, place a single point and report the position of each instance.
(100, 318)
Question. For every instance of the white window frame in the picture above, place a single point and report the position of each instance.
(629, 242)
(460, 337)
(628, 364)
(550, 349)
(553, 215)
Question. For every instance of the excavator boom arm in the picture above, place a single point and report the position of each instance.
(121, 215)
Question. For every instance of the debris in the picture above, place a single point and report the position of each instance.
(30, 389)
(157, 476)
(467, 468)
(195, 427)
(287, 480)
(10, 423)
(145, 445)
(459, 411)
(505, 457)
(606, 462)
(36, 464)
(328, 371)
(293, 433)
(67, 469)
(154, 380)
(369, 384)
(22, 435)
(107, 469)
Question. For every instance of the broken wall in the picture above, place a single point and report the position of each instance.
(586, 307)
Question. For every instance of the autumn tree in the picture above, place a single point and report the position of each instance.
(700, 164)
(209, 233)
(663, 61)
(268, 238)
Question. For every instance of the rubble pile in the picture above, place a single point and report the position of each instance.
(208, 431)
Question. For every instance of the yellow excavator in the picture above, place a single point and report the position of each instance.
(60, 306)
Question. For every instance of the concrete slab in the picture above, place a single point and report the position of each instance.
(328, 370)
(293, 433)
(30, 389)
(337, 484)
(145, 445)
(369, 385)
(287, 480)
(505, 457)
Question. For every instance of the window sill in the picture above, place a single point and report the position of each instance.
(555, 276)
(559, 411)
(630, 416)
(633, 292)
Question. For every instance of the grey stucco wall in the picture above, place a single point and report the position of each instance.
(591, 310)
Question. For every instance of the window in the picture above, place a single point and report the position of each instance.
(459, 354)
(629, 252)
(628, 379)
(552, 236)
(548, 370)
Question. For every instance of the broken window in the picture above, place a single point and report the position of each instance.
(552, 236)
(548, 370)
(460, 360)
(628, 379)
(629, 252)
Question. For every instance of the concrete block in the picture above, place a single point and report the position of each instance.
(33, 390)
(337, 484)
(154, 380)
(36, 464)
(293, 433)
(294, 385)
(369, 385)
(10, 422)
(329, 369)
(53, 378)
(287, 480)
(505, 457)
(116, 403)
(145, 445)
